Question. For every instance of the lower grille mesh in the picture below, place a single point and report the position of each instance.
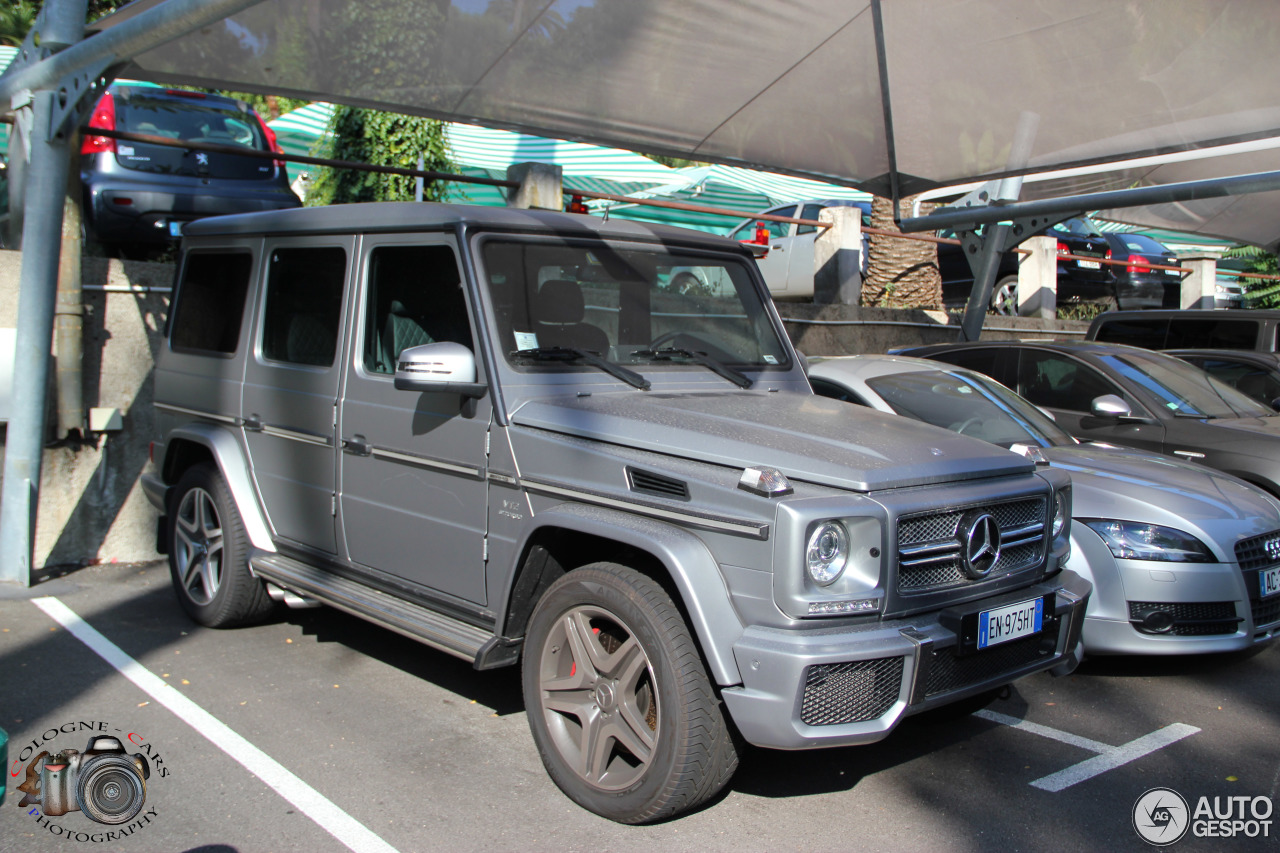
(949, 672)
(850, 692)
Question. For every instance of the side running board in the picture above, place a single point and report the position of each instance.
(418, 623)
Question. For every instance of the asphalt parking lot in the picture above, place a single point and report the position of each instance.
(319, 732)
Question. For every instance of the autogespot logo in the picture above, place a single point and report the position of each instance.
(1160, 816)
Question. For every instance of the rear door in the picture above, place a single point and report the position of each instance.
(413, 498)
(291, 386)
(774, 266)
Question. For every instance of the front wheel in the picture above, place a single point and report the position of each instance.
(620, 706)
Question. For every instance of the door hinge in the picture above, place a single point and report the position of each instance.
(486, 442)
(333, 504)
(484, 549)
(335, 414)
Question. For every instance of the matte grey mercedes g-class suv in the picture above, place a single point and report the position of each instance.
(509, 435)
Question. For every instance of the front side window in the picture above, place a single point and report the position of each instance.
(304, 305)
(415, 297)
(1060, 382)
(209, 305)
(629, 305)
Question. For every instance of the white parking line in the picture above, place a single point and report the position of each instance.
(1107, 758)
(308, 800)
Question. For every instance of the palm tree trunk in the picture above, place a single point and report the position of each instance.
(900, 273)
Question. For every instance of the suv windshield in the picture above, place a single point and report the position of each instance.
(969, 404)
(1184, 389)
(630, 305)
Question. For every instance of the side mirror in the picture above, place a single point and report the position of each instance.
(1110, 406)
(444, 367)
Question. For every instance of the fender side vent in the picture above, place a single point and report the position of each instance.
(649, 483)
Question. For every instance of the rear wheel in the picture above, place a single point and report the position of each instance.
(209, 554)
(619, 703)
(1004, 296)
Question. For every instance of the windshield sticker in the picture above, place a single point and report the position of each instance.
(769, 359)
(526, 340)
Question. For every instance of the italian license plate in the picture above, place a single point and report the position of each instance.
(1009, 623)
(1090, 265)
(1171, 272)
(1270, 581)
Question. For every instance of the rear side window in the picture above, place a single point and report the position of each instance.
(210, 302)
(304, 305)
(1148, 334)
(996, 363)
(1212, 334)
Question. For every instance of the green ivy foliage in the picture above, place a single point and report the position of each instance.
(1258, 292)
(380, 139)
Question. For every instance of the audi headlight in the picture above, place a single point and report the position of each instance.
(1060, 513)
(1132, 540)
(827, 553)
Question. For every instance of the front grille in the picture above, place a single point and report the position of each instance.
(1253, 553)
(1202, 619)
(948, 672)
(1266, 612)
(850, 692)
(929, 550)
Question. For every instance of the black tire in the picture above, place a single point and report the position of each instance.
(209, 554)
(609, 661)
(1004, 297)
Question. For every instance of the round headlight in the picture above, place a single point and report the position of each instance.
(1059, 513)
(827, 552)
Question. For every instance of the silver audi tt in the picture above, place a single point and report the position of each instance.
(1183, 559)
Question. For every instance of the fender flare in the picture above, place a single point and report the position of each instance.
(686, 558)
(228, 455)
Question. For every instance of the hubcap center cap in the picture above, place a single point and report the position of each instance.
(606, 697)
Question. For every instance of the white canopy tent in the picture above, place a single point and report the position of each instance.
(891, 97)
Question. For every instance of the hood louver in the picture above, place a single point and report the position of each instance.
(659, 485)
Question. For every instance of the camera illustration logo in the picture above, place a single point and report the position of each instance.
(1161, 817)
(104, 782)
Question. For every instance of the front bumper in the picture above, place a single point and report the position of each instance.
(846, 686)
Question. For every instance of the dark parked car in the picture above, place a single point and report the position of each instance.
(138, 195)
(1135, 398)
(1255, 373)
(1085, 280)
(1142, 286)
(1189, 328)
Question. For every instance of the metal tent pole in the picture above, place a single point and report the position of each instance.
(61, 23)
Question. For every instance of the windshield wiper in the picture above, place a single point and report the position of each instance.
(719, 368)
(617, 371)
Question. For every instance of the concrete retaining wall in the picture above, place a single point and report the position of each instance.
(91, 506)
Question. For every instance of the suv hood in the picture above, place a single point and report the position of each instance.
(1129, 485)
(808, 438)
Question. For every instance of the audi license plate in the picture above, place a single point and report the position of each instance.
(1270, 580)
(1011, 622)
(1090, 265)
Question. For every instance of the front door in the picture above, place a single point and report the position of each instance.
(1067, 387)
(291, 387)
(413, 496)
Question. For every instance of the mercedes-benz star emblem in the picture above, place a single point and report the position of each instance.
(979, 535)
